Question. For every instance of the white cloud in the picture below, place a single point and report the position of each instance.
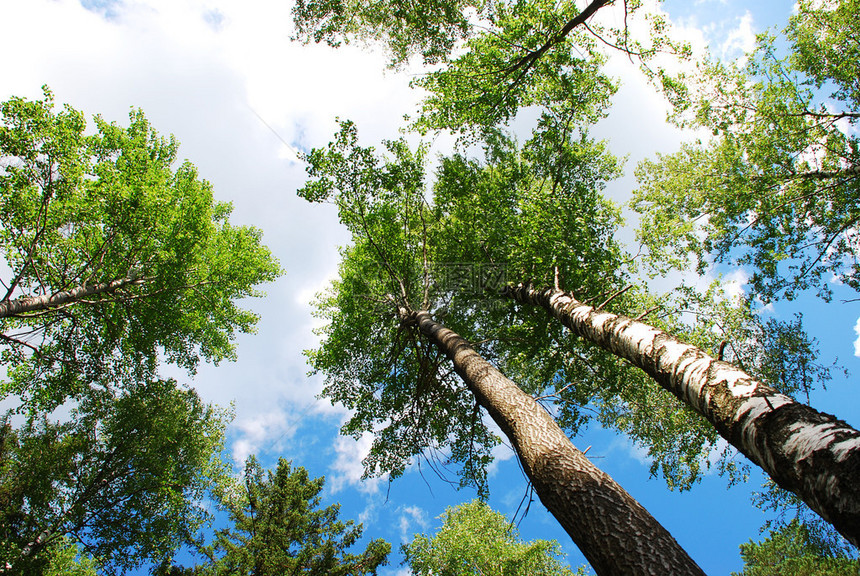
(625, 446)
(348, 468)
(263, 431)
(412, 519)
(741, 40)
(733, 284)
(857, 341)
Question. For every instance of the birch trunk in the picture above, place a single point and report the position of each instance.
(813, 454)
(615, 533)
(48, 301)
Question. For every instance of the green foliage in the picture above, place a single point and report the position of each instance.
(395, 384)
(526, 210)
(533, 213)
(431, 28)
(123, 477)
(474, 539)
(788, 511)
(776, 187)
(538, 210)
(278, 528)
(494, 57)
(66, 559)
(525, 59)
(79, 211)
(60, 557)
(792, 551)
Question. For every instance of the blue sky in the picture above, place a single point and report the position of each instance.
(223, 77)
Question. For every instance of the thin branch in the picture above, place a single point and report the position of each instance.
(614, 296)
(381, 254)
(630, 53)
(648, 311)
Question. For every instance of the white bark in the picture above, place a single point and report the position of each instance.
(47, 301)
(813, 454)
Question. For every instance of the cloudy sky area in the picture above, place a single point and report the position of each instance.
(223, 77)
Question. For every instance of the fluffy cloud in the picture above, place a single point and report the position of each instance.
(348, 468)
(270, 430)
(857, 341)
(412, 519)
(741, 40)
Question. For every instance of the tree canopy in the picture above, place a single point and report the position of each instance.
(505, 214)
(775, 187)
(115, 261)
(432, 256)
(790, 551)
(115, 257)
(496, 57)
(474, 539)
(124, 478)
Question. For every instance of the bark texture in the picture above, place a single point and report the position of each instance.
(58, 299)
(615, 533)
(815, 455)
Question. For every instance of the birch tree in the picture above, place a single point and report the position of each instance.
(386, 358)
(810, 453)
(113, 256)
(789, 190)
(803, 450)
(492, 219)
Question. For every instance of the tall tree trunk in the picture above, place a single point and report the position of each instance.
(813, 454)
(48, 301)
(615, 533)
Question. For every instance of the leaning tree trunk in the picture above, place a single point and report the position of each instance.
(78, 293)
(615, 533)
(813, 454)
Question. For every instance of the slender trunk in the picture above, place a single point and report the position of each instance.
(813, 454)
(615, 533)
(47, 301)
(35, 546)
